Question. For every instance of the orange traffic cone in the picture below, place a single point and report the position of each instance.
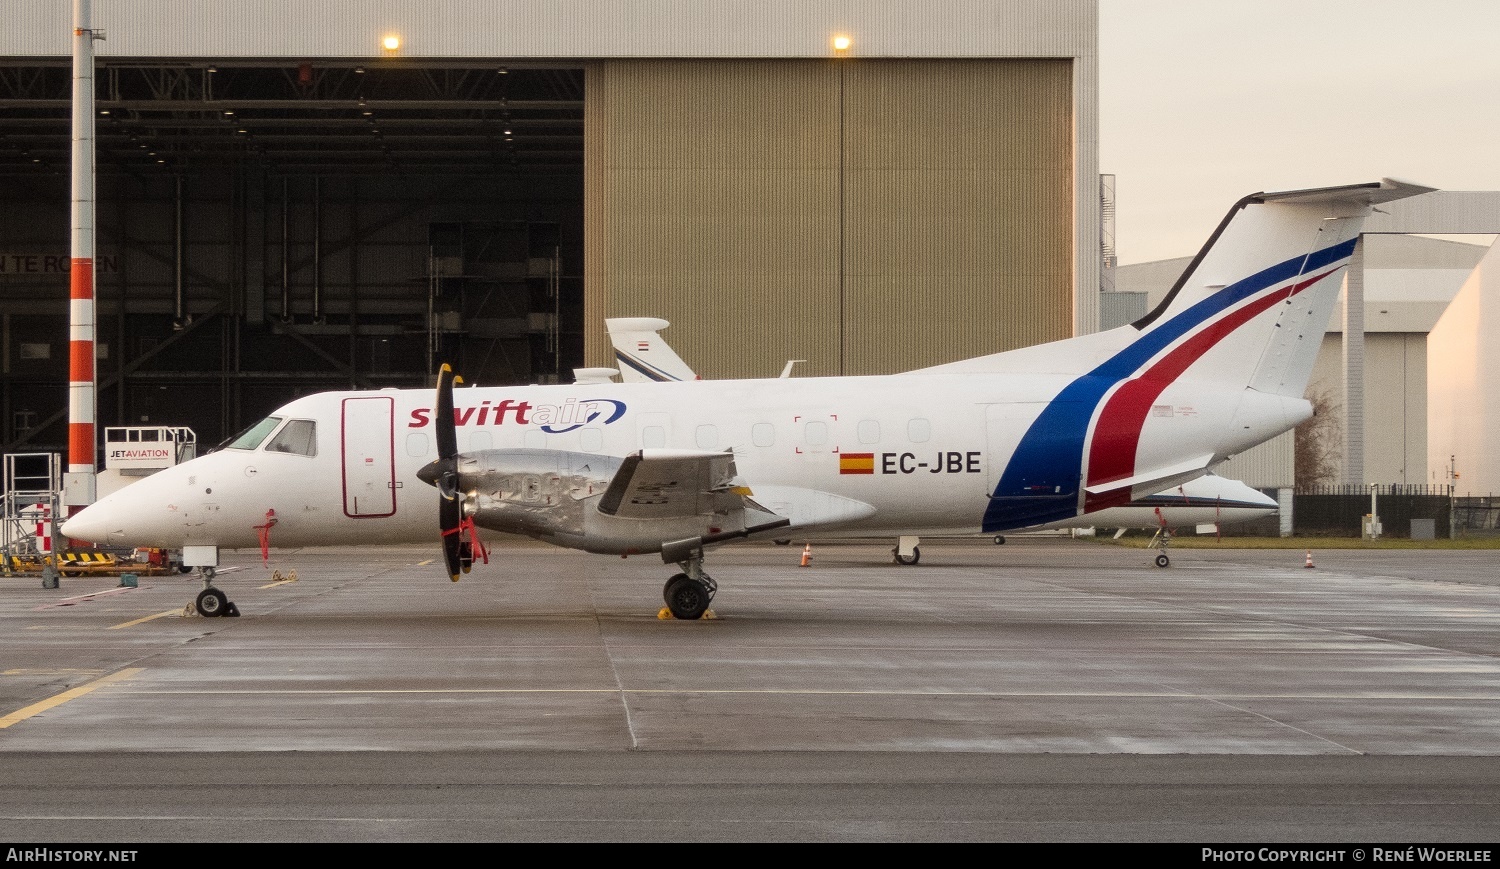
(807, 555)
(1309, 559)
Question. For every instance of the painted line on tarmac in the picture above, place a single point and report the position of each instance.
(131, 624)
(71, 694)
(834, 692)
(70, 601)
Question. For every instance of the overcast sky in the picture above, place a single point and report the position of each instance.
(1203, 102)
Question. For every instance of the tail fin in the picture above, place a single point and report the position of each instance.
(1251, 308)
(642, 354)
(1242, 327)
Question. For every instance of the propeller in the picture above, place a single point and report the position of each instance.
(443, 473)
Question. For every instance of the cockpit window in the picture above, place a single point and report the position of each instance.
(251, 437)
(299, 436)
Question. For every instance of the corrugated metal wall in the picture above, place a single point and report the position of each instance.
(958, 210)
(867, 216)
(1267, 466)
(711, 199)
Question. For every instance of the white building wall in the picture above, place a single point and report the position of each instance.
(1464, 384)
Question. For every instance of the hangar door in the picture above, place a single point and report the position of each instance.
(868, 216)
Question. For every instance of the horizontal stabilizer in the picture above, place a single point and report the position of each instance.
(1157, 478)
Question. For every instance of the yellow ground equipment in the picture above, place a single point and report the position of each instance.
(92, 562)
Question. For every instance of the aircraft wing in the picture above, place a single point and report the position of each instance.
(660, 484)
(663, 484)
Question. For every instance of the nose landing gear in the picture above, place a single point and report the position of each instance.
(211, 602)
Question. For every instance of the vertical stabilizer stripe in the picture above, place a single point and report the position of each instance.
(1050, 455)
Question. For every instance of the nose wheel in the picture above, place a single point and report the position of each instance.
(211, 602)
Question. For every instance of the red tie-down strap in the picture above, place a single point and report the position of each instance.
(476, 548)
(264, 532)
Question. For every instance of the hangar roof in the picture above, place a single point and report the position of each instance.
(475, 86)
(560, 29)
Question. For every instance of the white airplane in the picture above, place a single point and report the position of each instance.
(1027, 438)
(645, 356)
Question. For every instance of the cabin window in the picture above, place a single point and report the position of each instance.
(653, 436)
(251, 437)
(416, 445)
(535, 440)
(707, 437)
(918, 431)
(815, 433)
(300, 436)
(763, 434)
(869, 431)
(480, 440)
(591, 439)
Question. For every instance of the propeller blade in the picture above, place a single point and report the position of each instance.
(450, 515)
(443, 473)
(442, 413)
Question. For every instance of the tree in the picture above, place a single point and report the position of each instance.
(1318, 448)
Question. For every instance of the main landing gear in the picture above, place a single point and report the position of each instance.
(689, 593)
(211, 602)
(906, 551)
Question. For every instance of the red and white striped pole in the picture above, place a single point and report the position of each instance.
(82, 482)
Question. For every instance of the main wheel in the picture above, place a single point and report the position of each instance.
(211, 602)
(916, 555)
(688, 599)
(666, 590)
(1162, 560)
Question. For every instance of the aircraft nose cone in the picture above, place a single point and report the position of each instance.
(91, 525)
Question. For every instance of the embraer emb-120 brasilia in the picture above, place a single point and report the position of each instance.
(1010, 441)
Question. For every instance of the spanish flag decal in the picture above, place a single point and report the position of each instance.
(857, 463)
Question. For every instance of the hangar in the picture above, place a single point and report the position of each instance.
(352, 197)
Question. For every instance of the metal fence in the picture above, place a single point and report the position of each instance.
(1405, 511)
(1343, 515)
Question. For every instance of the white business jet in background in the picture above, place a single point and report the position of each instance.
(1022, 439)
(1210, 500)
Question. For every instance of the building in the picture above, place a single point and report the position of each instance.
(286, 209)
